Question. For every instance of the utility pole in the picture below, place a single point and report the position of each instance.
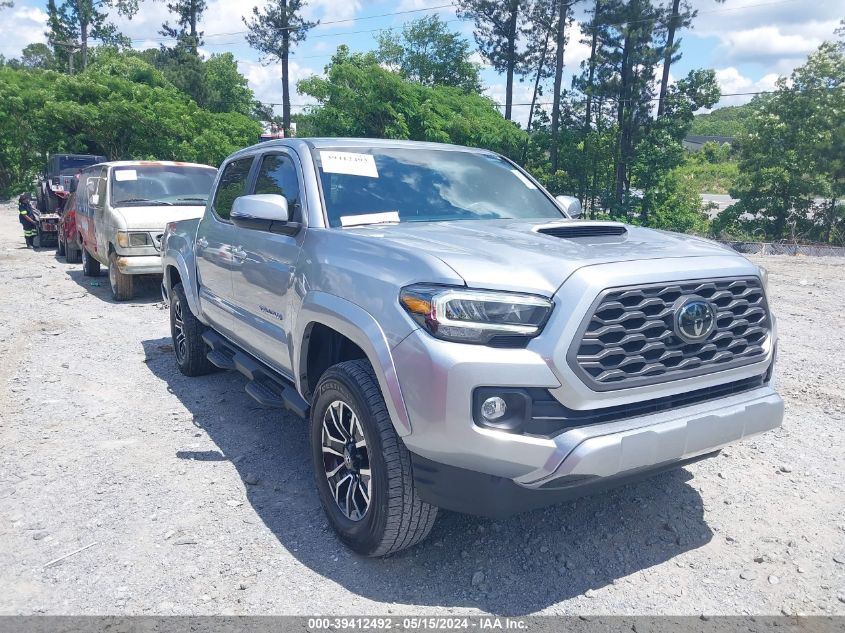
(72, 47)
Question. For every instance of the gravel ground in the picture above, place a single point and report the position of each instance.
(189, 498)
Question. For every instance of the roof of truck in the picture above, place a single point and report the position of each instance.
(143, 163)
(324, 142)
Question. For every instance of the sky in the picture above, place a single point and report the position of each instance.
(749, 43)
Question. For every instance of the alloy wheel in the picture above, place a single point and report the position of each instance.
(346, 461)
(179, 330)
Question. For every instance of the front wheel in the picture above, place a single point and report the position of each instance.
(363, 469)
(122, 285)
(90, 266)
(186, 330)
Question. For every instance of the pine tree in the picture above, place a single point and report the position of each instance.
(497, 31)
(188, 14)
(272, 32)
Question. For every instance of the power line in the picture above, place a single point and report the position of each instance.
(293, 28)
(724, 94)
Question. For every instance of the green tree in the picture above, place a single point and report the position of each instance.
(794, 154)
(38, 55)
(119, 106)
(188, 14)
(228, 89)
(80, 21)
(497, 33)
(426, 51)
(359, 97)
(273, 31)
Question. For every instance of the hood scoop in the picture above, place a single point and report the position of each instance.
(583, 229)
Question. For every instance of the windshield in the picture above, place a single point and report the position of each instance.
(425, 185)
(161, 185)
(73, 164)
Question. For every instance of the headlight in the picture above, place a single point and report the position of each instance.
(126, 239)
(475, 316)
(764, 279)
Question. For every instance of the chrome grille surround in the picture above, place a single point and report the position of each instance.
(628, 338)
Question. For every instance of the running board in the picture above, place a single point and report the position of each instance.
(265, 385)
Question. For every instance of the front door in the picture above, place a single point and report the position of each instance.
(214, 247)
(262, 282)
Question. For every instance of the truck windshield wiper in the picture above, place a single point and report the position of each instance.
(145, 201)
(195, 198)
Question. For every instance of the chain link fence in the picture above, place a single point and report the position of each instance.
(786, 248)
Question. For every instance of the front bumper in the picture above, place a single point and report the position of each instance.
(139, 264)
(438, 378)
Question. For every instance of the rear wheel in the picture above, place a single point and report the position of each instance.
(72, 254)
(90, 266)
(122, 285)
(363, 469)
(186, 330)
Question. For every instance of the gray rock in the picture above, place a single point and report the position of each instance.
(748, 574)
(477, 578)
(251, 479)
(786, 468)
(774, 580)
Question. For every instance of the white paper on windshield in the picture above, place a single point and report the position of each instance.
(524, 180)
(369, 218)
(351, 163)
(121, 175)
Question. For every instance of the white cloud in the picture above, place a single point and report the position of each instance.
(266, 82)
(730, 80)
(776, 35)
(332, 10)
(22, 26)
(522, 93)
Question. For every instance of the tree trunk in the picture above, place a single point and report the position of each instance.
(621, 169)
(592, 66)
(667, 57)
(194, 38)
(540, 66)
(285, 85)
(83, 43)
(584, 186)
(511, 61)
(560, 42)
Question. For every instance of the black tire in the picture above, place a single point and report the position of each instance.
(90, 266)
(72, 254)
(395, 518)
(186, 331)
(60, 246)
(122, 285)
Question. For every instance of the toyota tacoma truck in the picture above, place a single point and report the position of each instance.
(455, 337)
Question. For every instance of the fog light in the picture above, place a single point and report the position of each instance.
(493, 408)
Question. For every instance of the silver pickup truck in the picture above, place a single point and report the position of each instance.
(455, 338)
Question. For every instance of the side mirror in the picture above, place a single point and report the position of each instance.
(571, 205)
(263, 212)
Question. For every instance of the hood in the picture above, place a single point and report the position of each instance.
(512, 255)
(155, 218)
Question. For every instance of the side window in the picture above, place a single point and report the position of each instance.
(278, 175)
(232, 185)
(95, 189)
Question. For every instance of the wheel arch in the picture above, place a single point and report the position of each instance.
(325, 314)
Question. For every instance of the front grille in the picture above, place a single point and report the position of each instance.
(628, 338)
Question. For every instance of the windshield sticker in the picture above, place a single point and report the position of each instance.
(121, 175)
(369, 218)
(350, 163)
(524, 180)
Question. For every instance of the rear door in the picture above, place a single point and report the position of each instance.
(263, 279)
(214, 246)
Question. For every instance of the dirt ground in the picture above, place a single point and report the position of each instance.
(189, 498)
